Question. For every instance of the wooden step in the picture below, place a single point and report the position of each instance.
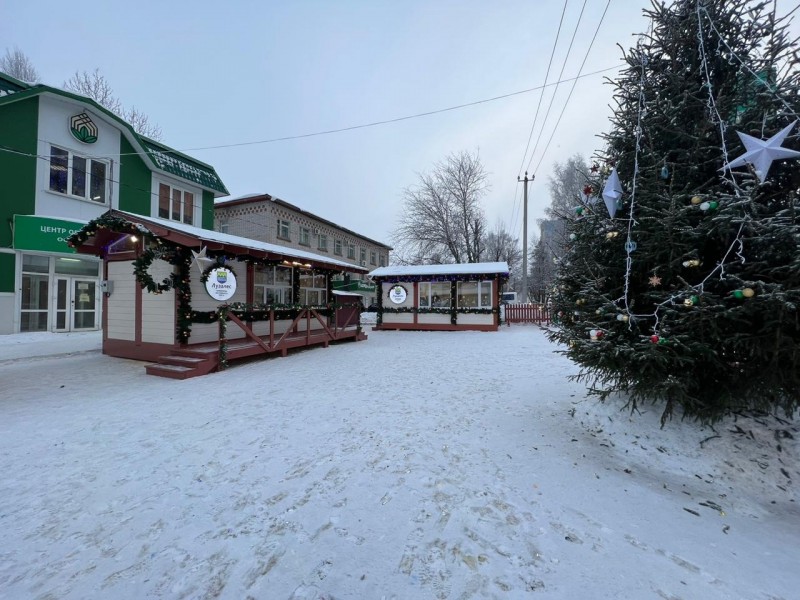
(172, 371)
(182, 361)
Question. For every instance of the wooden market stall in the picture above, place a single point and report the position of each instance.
(440, 297)
(190, 300)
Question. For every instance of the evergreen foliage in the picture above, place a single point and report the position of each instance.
(702, 316)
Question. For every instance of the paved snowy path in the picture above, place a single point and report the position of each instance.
(413, 465)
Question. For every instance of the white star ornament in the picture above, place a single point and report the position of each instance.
(761, 153)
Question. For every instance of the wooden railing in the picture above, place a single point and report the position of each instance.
(527, 313)
(345, 326)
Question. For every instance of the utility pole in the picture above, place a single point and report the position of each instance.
(525, 237)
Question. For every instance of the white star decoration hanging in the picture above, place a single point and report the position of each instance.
(761, 153)
(612, 192)
(201, 260)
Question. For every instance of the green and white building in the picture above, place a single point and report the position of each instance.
(65, 160)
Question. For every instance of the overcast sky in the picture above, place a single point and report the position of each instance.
(235, 73)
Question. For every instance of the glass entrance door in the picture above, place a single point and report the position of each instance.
(76, 304)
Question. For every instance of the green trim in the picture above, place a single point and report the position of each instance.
(354, 286)
(11, 85)
(44, 234)
(161, 157)
(183, 167)
(19, 129)
(135, 181)
(7, 271)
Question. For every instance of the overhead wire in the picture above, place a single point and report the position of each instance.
(572, 89)
(514, 209)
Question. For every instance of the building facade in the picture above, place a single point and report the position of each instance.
(440, 297)
(65, 160)
(268, 219)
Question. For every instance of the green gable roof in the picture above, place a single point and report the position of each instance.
(161, 157)
(182, 166)
(10, 85)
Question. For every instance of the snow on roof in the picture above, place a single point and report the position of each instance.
(453, 269)
(243, 197)
(235, 240)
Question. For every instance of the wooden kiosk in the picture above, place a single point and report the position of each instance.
(190, 300)
(440, 297)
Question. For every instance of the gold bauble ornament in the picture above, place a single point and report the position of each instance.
(696, 199)
(748, 292)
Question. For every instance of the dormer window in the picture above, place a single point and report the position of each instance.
(175, 204)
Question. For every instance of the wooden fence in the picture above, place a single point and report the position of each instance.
(527, 313)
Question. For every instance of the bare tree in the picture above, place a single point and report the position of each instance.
(94, 85)
(443, 220)
(500, 245)
(566, 185)
(19, 66)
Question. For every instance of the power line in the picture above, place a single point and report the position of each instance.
(563, 66)
(572, 89)
(388, 121)
(514, 212)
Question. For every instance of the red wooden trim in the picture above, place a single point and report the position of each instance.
(416, 299)
(147, 351)
(433, 327)
(137, 311)
(104, 320)
(248, 331)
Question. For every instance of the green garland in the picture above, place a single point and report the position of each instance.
(259, 312)
(106, 221)
(442, 311)
(223, 341)
(207, 271)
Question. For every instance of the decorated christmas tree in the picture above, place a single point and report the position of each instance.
(681, 283)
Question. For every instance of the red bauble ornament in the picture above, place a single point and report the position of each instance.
(654, 339)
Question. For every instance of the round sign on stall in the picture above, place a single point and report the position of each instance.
(221, 283)
(397, 294)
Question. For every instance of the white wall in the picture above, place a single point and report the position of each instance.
(54, 116)
(7, 311)
(475, 319)
(121, 305)
(201, 301)
(158, 310)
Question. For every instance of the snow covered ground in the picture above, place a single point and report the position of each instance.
(415, 465)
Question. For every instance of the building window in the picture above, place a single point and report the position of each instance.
(363, 256)
(273, 285)
(305, 236)
(175, 204)
(373, 257)
(382, 260)
(474, 294)
(351, 251)
(84, 178)
(434, 294)
(337, 247)
(35, 293)
(313, 289)
(283, 230)
(322, 242)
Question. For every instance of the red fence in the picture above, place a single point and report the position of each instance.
(527, 313)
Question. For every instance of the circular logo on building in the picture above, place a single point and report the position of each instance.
(221, 284)
(398, 294)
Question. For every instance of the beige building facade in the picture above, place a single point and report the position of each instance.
(268, 219)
